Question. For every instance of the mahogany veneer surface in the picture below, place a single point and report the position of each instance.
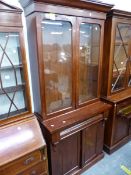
(19, 139)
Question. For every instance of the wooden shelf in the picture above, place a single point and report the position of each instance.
(13, 89)
(11, 67)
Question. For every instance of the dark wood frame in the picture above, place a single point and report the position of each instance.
(39, 18)
(101, 24)
(117, 98)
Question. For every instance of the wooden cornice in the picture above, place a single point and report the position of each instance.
(83, 4)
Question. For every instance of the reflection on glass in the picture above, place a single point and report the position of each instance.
(57, 64)
(89, 58)
(12, 98)
(121, 58)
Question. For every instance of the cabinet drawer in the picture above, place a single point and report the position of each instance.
(123, 104)
(124, 109)
(21, 164)
(39, 169)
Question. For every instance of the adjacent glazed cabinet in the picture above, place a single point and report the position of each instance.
(65, 47)
(21, 140)
(117, 71)
(14, 88)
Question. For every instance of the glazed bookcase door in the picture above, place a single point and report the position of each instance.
(58, 62)
(121, 61)
(12, 84)
(89, 59)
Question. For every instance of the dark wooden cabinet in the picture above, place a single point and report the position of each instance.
(74, 147)
(21, 142)
(66, 49)
(116, 69)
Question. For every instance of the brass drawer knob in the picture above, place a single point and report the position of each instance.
(29, 160)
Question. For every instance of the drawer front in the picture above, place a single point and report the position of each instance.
(124, 109)
(38, 169)
(123, 104)
(22, 163)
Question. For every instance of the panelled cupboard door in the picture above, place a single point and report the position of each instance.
(65, 157)
(121, 128)
(92, 142)
(89, 50)
(57, 33)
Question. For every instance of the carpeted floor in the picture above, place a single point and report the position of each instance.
(111, 164)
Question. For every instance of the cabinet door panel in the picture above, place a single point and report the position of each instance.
(12, 84)
(88, 62)
(57, 58)
(92, 142)
(121, 57)
(65, 156)
(121, 128)
(89, 140)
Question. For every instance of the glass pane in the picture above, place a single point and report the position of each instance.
(19, 101)
(89, 58)
(6, 104)
(11, 76)
(57, 53)
(123, 33)
(12, 50)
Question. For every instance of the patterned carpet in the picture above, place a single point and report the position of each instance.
(113, 164)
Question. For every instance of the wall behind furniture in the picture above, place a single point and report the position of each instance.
(123, 5)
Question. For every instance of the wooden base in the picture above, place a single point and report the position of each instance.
(116, 146)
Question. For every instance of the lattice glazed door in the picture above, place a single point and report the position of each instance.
(121, 63)
(12, 93)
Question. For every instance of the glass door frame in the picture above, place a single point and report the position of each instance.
(38, 19)
(115, 22)
(24, 114)
(101, 24)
